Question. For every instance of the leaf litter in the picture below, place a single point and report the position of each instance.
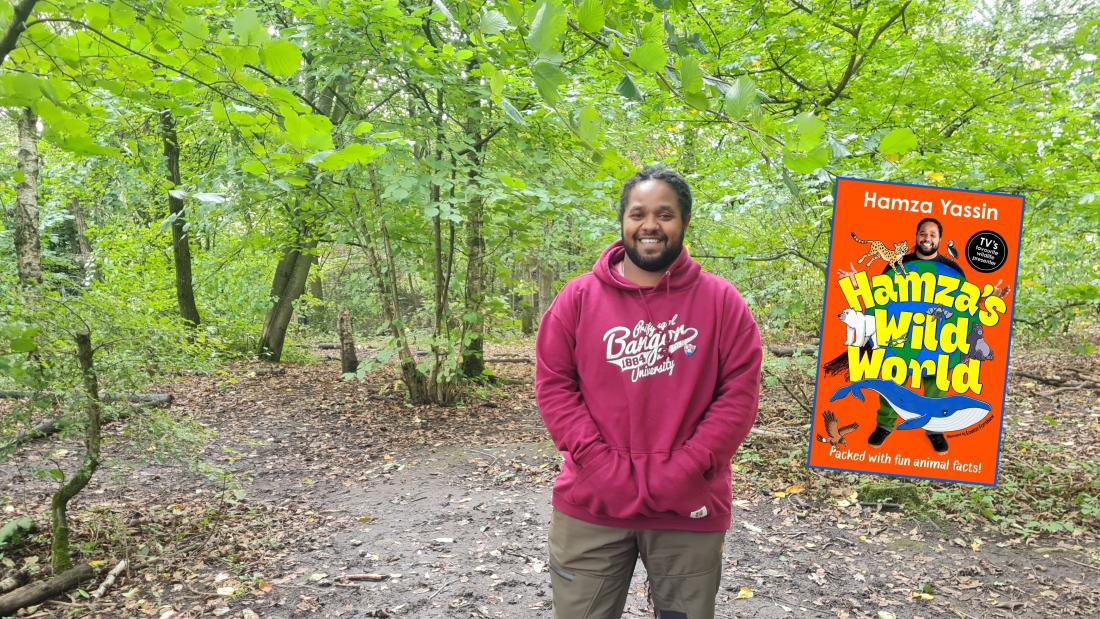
(344, 501)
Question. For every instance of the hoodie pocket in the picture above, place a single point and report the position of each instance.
(604, 486)
(673, 485)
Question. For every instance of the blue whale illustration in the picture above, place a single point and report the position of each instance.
(947, 414)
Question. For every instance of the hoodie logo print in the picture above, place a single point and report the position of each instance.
(647, 349)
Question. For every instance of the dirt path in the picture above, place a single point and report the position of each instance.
(447, 508)
(457, 535)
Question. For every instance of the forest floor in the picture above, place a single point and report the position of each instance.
(339, 500)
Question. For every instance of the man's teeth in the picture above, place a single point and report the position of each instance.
(650, 240)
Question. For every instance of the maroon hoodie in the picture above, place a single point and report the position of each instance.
(647, 392)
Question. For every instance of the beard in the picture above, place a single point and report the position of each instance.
(932, 251)
(657, 263)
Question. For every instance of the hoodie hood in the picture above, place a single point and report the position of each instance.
(682, 273)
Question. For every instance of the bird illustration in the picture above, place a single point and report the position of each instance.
(834, 435)
(951, 249)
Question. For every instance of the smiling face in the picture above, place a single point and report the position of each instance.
(928, 240)
(653, 226)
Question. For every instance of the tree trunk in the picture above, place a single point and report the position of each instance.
(181, 246)
(83, 246)
(544, 276)
(316, 287)
(59, 548)
(473, 349)
(687, 157)
(28, 246)
(349, 363)
(288, 284)
(386, 282)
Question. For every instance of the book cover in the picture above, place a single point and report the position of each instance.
(916, 331)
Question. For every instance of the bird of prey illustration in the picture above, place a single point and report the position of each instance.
(835, 435)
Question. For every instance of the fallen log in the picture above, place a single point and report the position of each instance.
(38, 592)
(156, 399)
(53, 426)
(42, 430)
(13, 582)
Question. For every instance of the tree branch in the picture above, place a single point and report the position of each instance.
(20, 13)
(180, 72)
(857, 59)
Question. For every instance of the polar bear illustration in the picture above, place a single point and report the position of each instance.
(861, 328)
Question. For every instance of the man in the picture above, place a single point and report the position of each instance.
(925, 258)
(648, 379)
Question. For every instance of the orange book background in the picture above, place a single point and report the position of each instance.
(973, 453)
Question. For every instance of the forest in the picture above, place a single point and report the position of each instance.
(271, 273)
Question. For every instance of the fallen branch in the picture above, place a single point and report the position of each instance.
(13, 582)
(38, 592)
(1046, 380)
(768, 433)
(110, 579)
(790, 351)
(1077, 387)
(366, 577)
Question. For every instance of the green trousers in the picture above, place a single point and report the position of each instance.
(887, 417)
(591, 567)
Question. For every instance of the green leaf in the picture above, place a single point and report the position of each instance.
(590, 16)
(195, 32)
(248, 28)
(513, 182)
(739, 98)
(496, 80)
(361, 128)
(513, 10)
(898, 142)
(97, 15)
(590, 125)
(361, 154)
(254, 167)
(649, 56)
(23, 344)
(698, 100)
(122, 15)
(810, 130)
(548, 27)
(281, 58)
(492, 22)
(512, 112)
(54, 473)
(209, 198)
(628, 89)
(807, 163)
(166, 39)
(653, 31)
(442, 8)
(691, 76)
(548, 78)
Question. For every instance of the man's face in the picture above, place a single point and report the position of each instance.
(928, 240)
(652, 225)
